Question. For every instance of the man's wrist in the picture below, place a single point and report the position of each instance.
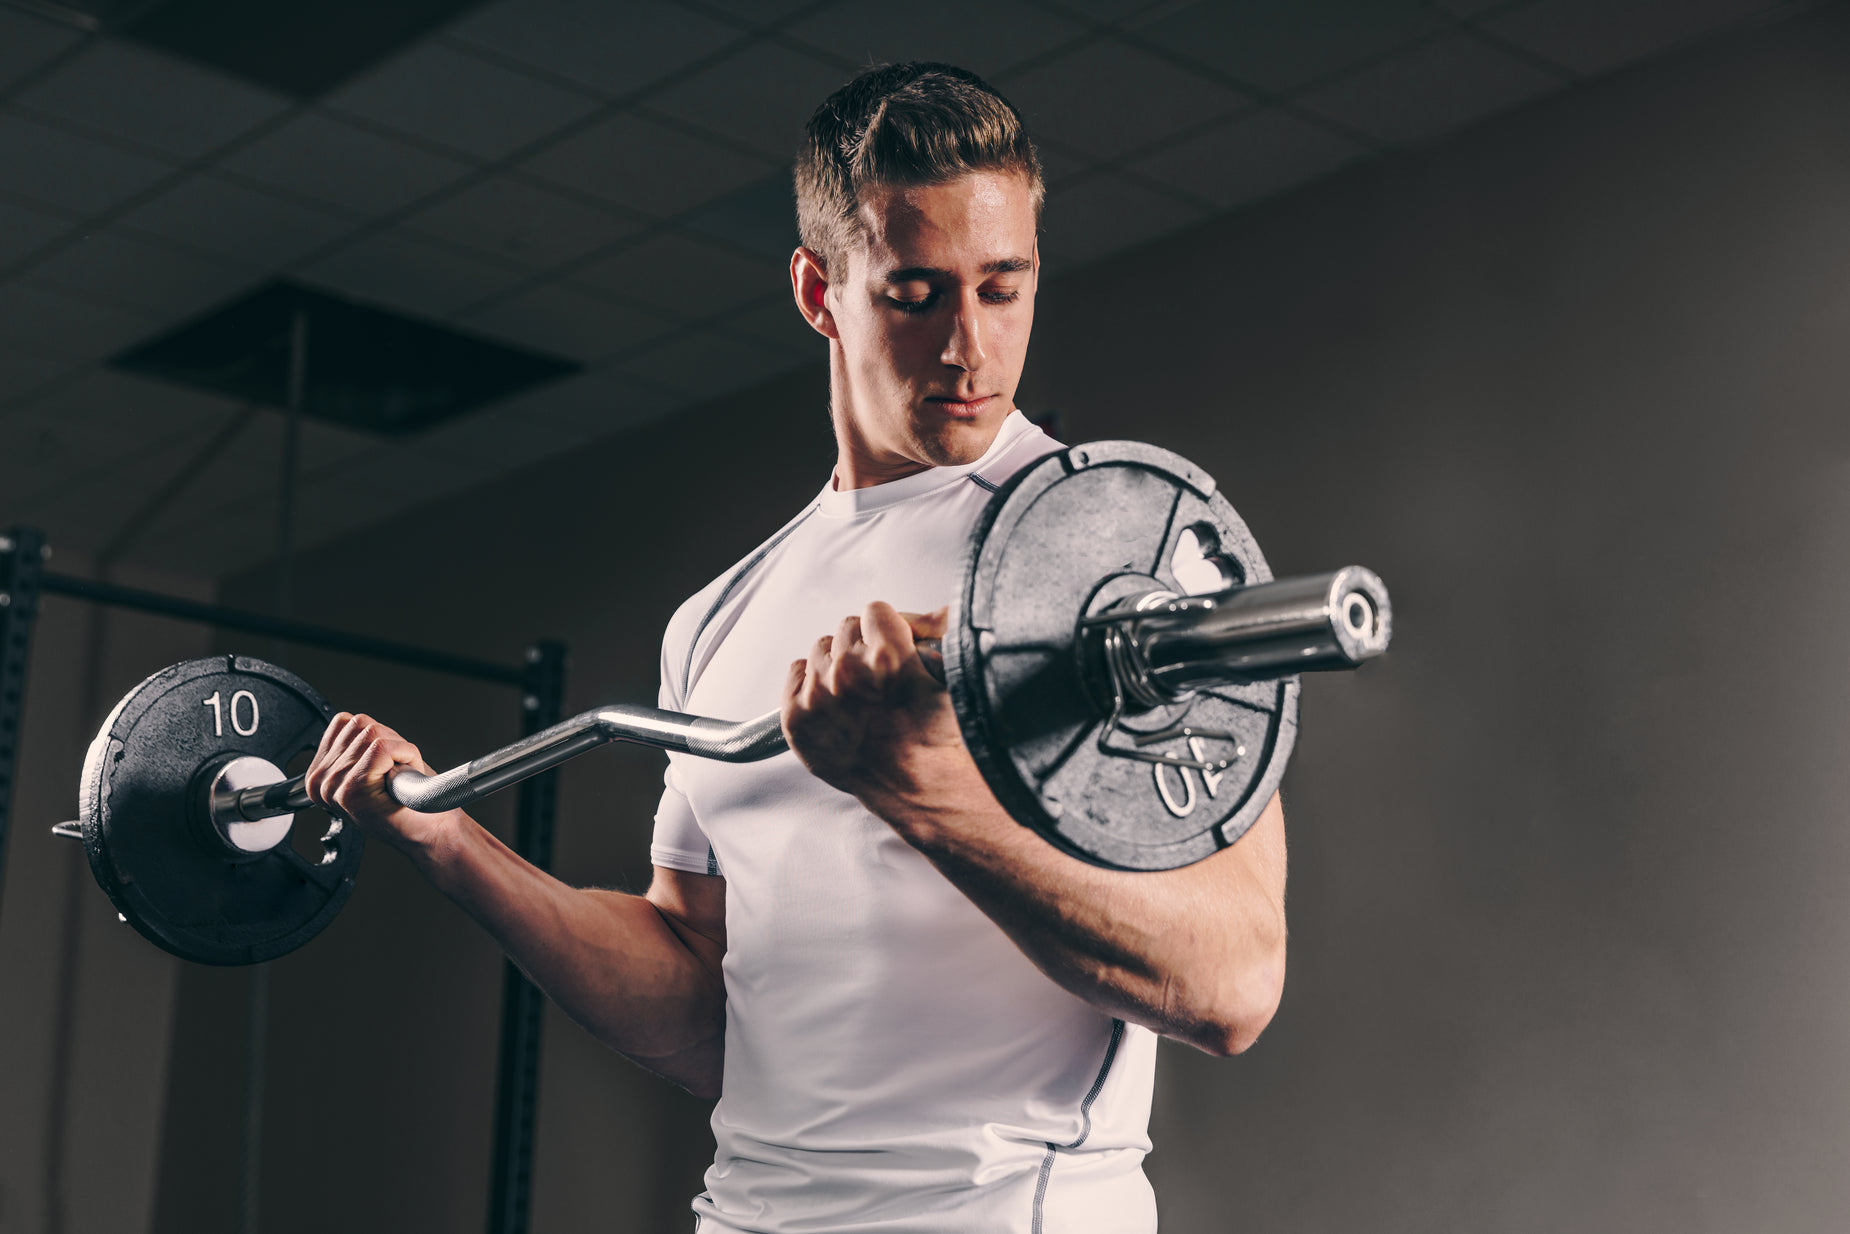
(441, 853)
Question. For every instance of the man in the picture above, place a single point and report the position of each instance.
(916, 1013)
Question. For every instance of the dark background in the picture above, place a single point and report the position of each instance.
(1567, 925)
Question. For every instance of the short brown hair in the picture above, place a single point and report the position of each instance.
(902, 124)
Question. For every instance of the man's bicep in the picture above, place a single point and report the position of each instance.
(695, 905)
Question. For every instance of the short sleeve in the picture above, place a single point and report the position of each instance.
(678, 842)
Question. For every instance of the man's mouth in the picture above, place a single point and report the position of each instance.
(963, 408)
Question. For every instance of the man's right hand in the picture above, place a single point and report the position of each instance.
(348, 777)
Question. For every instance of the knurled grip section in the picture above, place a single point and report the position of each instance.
(745, 741)
(433, 794)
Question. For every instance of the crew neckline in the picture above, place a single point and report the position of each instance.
(837, 503)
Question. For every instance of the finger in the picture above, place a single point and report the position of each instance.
(852, 666)
(360, 736)
(372, 760)
(346, 749)
(929, 625)
(889, 638)
(327, 756)
(362, 778)
(816, 670)
(793, 685)
(791, 709)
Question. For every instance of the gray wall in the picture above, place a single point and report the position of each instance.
(1566, 916)
(86, 1008)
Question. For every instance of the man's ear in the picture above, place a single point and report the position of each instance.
(809, 282)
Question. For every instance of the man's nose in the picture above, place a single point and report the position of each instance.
(966, 347)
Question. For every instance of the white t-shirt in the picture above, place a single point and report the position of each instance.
(893, 1062)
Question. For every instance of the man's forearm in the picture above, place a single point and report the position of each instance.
(640, 980)
(1196, 953)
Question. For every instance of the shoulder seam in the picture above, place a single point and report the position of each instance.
(719, 601)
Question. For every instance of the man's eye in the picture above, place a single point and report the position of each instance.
(913, 306)
(1002, 297)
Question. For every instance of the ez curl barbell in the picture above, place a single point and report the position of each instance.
(1122, 665)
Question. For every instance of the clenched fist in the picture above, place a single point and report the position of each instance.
(348, 777)
(864, 715)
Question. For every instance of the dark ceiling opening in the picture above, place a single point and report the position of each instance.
(304, 48)
(365, 367)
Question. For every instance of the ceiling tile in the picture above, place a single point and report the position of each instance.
(104, 419)
(682, 276)
(23, 371)
(528, 226)
(613, 49)
(1249, 157)
(777, 324)
(132, 411)
(1058, 163)
(636, 162)
(34, 460)
(760, 13)
(215, 215)
(66, 325)
(150, 99)
(232, 537)
(1115, 10)
(1107, 99)
(598, 403)
(256, 455)
(1592, 36)
(984, 36)
(325, 160)
(64, 170)
(409, 472)
(1473, 8)
(322, 444)
(760, 219)
(1282, 45)
(446, 96)
(330, 509)
(762, 96)
(1103, 214)
(245, 477)
(79, 503)
(24, 230)
(410, 273)
(567, 321)
(112, 267)
(706, 363)
(26, 42)
(1424, 93)
(500, 439)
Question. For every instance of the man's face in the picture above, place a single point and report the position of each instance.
(933, 312)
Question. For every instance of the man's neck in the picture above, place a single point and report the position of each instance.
(855, 468)
(860, 463)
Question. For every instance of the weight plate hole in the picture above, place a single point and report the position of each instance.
(312, 834)
(1198, 565)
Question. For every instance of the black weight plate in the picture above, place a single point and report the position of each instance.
(150, 845)
(1064, 538)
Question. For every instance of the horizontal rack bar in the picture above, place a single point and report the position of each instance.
(276, 627)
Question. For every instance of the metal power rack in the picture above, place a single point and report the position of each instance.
(541, 681)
